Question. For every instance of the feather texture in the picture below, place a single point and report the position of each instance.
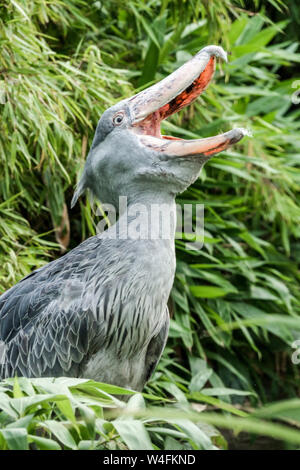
(99, 312)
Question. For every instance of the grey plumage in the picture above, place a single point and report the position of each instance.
(79, 315)
(100, 311)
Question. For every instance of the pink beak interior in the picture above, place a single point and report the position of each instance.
(149, 107)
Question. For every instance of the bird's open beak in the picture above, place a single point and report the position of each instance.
(149, 107)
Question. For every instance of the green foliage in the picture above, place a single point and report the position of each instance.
(235, 304)
(50, 104)
(64, 413)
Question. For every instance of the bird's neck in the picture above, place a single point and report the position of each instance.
(146, 217)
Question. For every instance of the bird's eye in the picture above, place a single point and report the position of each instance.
(118, 119)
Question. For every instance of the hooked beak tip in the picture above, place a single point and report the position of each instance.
(216, 51)
(237, 134)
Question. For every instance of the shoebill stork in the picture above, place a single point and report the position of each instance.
(100, 311)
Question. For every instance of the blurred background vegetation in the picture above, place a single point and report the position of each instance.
(235, 305)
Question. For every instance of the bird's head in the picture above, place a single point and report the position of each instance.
(129, 156)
